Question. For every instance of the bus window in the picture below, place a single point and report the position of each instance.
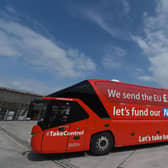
(37, 110)
(59, 112)
(64, 112)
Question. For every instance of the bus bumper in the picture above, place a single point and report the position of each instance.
(36, 140)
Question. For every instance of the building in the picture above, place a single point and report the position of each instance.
(14, 104)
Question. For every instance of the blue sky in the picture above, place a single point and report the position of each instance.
(48, 45)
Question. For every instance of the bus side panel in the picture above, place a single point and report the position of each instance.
(132, 132)
(76, 142)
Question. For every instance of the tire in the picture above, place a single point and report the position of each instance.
(101, 143)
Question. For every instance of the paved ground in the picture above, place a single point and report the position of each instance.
(15, 152)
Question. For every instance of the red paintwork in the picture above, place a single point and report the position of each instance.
(36, 140)
(122, 101)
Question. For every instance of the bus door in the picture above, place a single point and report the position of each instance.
(78, 120)
(55, 137)
(67, 122)
(78, 134)
(54, 140)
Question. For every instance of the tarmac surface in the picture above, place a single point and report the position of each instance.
(15, 152)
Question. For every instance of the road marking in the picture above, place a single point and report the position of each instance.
(13, 139)
(65, 164)
(120, 165)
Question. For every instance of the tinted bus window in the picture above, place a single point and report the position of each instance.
(87, 94)
(63, 112)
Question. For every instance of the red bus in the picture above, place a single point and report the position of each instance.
(98, 115)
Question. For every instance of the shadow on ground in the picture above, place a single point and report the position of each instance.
(43, 157)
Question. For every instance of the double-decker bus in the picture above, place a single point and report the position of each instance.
(98, 115)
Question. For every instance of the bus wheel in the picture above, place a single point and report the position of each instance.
(101, 143)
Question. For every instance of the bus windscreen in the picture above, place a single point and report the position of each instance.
(56, 112)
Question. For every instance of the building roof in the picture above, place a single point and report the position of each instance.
(20, 92)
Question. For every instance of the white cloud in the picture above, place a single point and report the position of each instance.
(139, 70)
(110, 63)
(126, 6)
(18, 40)
(10, 9)
(106, 20)
(113, 57)
(155, 43)
(146, 78)
(99, 20)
